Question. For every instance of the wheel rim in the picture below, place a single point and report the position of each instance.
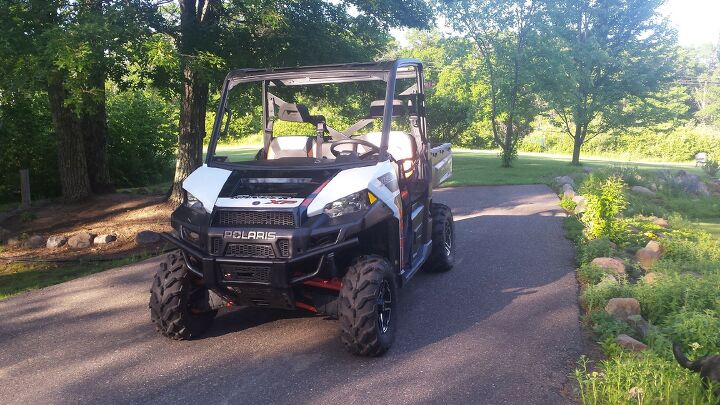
(384, 306)
(447, 243)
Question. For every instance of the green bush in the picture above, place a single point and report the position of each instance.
(568, 204)
(605, 201)
(711, 167)
(697, 329)
(632, 378)
(595, 248)
(142, 134)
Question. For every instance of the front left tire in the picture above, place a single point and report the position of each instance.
(179, 303)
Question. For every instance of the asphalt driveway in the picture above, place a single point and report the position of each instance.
(502, 327)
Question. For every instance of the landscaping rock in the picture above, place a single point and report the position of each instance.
(103, 239)
(647, 257)
(691, 183)
(642, 190)
(580, 204)
(622, 308)
(661, 222)
(630, 344)
(587, 169)
(147, 237)
(655, 246)
(640, 324)
(55, 241)
(613, 264)
(35, 241)
(13, 241)
(568, 191)
(562, 180)
(81, 240)
(650, 277)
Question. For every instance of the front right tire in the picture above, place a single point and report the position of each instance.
(179, 303)
(367, 302)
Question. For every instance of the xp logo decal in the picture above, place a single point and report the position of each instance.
(281, 202)
(249, 235)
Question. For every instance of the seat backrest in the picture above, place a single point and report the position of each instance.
(400, 145)
(291, 146)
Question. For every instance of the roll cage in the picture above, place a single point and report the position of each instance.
(387, 71)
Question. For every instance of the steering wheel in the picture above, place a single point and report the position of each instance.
(355, 142)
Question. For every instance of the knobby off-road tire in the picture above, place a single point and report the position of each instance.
(442, 256)
(175, 297)
(367, 301)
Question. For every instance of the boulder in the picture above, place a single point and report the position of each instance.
(587, 169)
(81, 240)
(103, 239)
(562, 180)
(642, 190)
(580, 204)
(613, 264)
(147, 237)
(35, 241)
(13, 241)
(622, 308)
(55, 241)
(640, 324)
(646, 258)
(650, 278)
(654, 246)
(568, 191)
(691, 183)
(661, 222)
(629, 343)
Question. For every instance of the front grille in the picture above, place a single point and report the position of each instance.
(216, 244)
(284, 247)
(253, 250)
(284, 219)
(245, 273)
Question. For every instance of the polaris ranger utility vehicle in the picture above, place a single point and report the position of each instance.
(331, 222)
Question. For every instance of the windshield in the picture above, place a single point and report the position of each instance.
(307, 123)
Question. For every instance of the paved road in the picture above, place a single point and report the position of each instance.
(502, 327)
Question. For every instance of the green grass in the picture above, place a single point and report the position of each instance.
(16, 278)
(711, 225)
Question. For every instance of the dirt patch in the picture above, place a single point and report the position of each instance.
(122, 215)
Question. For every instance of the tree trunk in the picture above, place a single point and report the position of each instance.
(72, 166)
(198, 23)
(507, 147)
(192, 130)
(93, 123)
(577, 144)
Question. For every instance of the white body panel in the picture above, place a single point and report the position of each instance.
(205, 184)
(357, 179)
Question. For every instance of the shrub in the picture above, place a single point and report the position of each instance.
(142, 133)
(567, 204)
(605, 201)
(699, 329)
(711, 167)
(630, 378)
(595, 248)
(590, 274)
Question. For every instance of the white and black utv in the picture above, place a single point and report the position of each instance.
(333, 222)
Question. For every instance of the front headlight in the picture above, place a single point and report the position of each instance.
(192, 202)
(352, 203)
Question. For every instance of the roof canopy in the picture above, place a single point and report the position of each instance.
(322, 74)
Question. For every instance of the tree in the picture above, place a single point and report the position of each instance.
(605, 55)
(501, 31)
(67, 49)
(295, 32)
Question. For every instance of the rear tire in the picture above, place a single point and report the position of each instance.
(367, 300)
(178, 302)
(442, 256)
